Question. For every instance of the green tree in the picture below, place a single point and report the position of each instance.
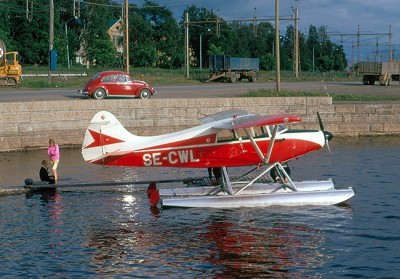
(214, 50)
(166, 36)
(325, 63)
(95, 39)
(5, 26)
(145, 56)
(322, 53)
(267, 62)
(262, 40)
(206, 29)
(141, 35)
(242, 40)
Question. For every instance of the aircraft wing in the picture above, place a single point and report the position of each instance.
(223, 115)
(256, 120)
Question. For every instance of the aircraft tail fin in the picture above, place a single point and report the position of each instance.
(105, 137)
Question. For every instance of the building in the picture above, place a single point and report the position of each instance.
(115, 32)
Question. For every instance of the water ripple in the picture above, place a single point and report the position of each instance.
(113, 232)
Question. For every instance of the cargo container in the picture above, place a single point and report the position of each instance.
(384, 72)
(233, 68)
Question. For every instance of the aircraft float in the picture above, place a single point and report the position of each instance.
(232, 138)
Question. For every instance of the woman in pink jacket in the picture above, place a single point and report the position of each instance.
(54, 152)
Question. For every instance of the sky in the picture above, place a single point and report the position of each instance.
(373, 19)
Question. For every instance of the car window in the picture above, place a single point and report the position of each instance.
(128, 79)
(109, 78)
(121, 78)
(96, 76)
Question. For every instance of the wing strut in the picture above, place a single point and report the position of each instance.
(254, 144)
(263, 158)
(226, 181)
(288, 184)
(271, 143)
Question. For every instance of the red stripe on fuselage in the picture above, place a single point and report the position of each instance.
(215, 155)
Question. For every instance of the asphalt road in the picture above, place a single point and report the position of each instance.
(210, 90)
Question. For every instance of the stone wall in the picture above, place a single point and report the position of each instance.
(29, 125)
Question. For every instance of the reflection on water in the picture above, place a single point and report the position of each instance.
(113, 232)
(216, 243)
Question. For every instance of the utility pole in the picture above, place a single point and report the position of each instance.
(66, 38)
(390, 44)
(296, 43)
(77, 8)
(29, 13)
(218, 29)
(187, 44)
(255, 23)
(356, 58)
(277, 49)
(126, 36)
(358, 44)
(51, 37)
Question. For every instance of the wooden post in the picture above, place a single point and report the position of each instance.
(277, 48)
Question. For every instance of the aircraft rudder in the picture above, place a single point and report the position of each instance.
(104, 135)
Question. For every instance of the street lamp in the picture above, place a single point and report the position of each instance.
(201, 49)
(313, 57)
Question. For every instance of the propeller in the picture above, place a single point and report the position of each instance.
(328, 136)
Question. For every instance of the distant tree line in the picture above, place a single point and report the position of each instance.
(156, 38)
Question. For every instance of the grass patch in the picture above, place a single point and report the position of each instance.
(153, 76)
(335, 97)
(157, 76)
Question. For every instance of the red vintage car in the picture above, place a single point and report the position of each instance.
(116, 84)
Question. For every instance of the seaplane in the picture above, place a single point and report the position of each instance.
(227, 139)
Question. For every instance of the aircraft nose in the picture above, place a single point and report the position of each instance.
(328, 135)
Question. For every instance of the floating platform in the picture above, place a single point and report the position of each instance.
(39, 185)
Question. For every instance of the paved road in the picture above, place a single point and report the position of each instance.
(210, 90)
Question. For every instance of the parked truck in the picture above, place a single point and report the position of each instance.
(233, 68)
(10, 69)
(384, 72)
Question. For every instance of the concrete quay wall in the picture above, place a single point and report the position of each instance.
(29, 125)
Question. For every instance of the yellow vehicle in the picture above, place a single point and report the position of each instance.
(10, 69)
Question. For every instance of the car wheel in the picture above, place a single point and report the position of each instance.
(144, 94)
(99, 94)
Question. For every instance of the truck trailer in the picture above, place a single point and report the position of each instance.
(233, 68)
(384, 72)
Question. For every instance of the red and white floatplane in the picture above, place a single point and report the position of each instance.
(226, 139)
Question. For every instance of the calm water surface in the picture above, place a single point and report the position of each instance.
(112, 232)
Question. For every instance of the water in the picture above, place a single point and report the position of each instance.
(112, 232)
